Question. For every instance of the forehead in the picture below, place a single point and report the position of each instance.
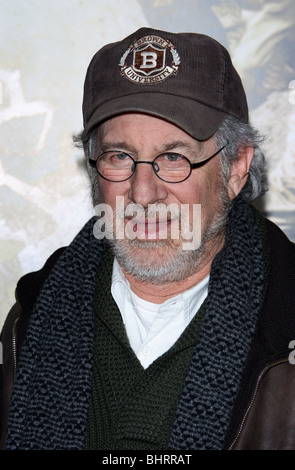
(142, 128)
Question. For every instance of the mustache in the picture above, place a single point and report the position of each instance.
(158, 211)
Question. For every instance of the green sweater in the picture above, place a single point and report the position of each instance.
(131, 407)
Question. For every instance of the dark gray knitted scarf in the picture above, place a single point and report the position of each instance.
(235, 296)
(53, 384)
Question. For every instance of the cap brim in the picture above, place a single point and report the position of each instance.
(197, 119)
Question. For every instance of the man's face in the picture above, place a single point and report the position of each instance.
(155, 254)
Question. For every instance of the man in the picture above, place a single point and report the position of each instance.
(167, 323)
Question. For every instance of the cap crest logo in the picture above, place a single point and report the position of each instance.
(154, 60)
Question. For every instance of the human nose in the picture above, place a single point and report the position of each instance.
(145, 187)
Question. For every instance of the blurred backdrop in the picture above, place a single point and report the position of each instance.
(45, 50)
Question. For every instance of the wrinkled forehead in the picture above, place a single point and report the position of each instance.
(129, 130)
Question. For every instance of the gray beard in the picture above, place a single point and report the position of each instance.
(164, 261)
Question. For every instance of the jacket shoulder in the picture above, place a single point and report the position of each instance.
(275, 329)
(29, 285)
(270, 421)
(279, 241)
(277, 317)
(27, 292)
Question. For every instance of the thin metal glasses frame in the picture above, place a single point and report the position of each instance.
(193, 166)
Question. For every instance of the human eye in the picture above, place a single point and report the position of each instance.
(117, 158)
(172, 159)
(121, 156)
(172, 167)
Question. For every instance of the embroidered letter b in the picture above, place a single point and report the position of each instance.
(149, 60)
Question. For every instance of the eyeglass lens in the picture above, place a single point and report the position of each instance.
(119, 166)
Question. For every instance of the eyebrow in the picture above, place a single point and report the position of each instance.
(116, 145)
(166, 147)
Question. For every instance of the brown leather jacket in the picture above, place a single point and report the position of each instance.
(264, 414)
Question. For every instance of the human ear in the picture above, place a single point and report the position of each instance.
(240, 171)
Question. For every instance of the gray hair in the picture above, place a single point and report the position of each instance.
(232, 132)
(89, 149)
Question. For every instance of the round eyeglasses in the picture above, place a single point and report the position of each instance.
(171, 167)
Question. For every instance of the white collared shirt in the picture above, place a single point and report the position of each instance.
(153, 328)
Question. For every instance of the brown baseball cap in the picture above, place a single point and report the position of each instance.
(187, 79)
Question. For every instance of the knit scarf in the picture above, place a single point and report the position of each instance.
(53, 383)
(235, 296)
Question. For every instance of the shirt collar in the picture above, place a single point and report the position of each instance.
(189, 297)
